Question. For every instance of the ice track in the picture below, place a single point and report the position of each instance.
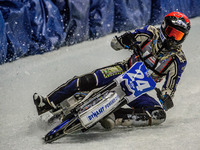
(22, 129)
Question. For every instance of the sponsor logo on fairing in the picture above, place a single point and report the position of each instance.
(96, 113)
(101, 110)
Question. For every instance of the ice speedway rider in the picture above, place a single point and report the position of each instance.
(161, 52)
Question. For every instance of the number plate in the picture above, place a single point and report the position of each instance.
(136, 81)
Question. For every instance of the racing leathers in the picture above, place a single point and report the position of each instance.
(164, 63)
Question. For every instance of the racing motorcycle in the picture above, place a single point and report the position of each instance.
(83, 110)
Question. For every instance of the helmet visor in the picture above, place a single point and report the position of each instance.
(170, 31)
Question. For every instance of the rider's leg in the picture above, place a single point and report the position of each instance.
(98, 78)
(144, 111)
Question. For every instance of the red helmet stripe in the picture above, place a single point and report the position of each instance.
(179, 15)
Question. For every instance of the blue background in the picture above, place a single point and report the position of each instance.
(29, 27)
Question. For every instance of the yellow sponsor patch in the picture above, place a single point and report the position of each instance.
(111, 71)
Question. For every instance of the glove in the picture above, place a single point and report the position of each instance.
(126, 40)
(165, 100)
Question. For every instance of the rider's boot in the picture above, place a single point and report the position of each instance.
(41, 104)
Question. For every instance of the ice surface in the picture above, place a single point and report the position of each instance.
(22, 129)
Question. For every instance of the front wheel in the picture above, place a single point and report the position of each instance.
(66, 127)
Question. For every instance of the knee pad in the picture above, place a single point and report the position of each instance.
(158, 116)
(127, 117)
(87, 82)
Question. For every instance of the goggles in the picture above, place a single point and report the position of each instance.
(170, 31)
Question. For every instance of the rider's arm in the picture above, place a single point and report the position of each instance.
(128, 39)
(174, 73)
